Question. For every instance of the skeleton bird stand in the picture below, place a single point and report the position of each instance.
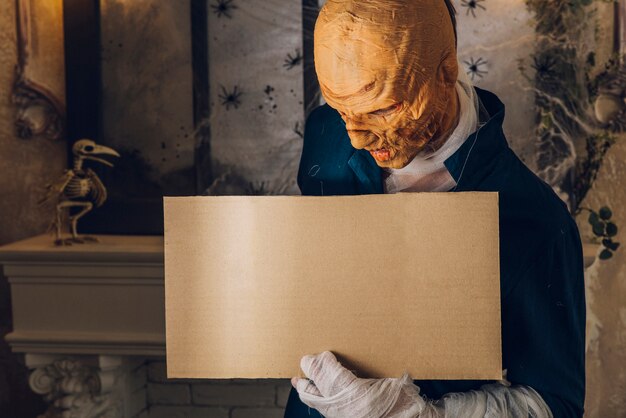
(78, 187)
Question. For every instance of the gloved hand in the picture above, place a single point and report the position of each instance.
(337, 393)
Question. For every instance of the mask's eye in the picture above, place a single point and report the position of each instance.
(387, 111)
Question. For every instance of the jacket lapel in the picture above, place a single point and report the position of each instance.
(368, 174)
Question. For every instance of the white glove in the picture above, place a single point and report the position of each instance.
(337, 393)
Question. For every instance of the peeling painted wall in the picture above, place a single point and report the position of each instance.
(606, 296)
(24, 167)
(606, 280)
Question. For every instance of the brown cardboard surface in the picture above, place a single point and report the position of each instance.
(397, 283)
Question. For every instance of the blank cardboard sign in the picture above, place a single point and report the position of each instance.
(390, 283)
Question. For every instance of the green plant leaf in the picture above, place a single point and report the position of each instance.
(605, 254)
(594, 219)
(605, 213)
(610, 244)
(598, 229)
(611, 229)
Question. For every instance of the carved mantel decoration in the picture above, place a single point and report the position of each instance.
(39, 88)
(78, 388)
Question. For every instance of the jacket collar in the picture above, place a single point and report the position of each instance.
(466, 165)
(367, 172)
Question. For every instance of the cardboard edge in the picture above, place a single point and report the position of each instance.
(169, 373)
(497, 202)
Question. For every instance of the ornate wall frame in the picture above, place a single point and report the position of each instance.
(39, 88)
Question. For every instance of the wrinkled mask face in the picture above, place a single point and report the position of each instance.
(389, 68)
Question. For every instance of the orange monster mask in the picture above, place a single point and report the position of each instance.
(389, 67)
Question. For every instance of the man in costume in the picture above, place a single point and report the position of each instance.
(402, 117)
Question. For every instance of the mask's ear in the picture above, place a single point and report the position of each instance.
(448, 70)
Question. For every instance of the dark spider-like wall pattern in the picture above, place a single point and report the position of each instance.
(231, 98)
(472, 6)
(223, 8)
(258, 188)
(292, 61)
(297, 129)
(544, 66)
(473, 67)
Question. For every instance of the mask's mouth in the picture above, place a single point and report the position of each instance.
(381, 154)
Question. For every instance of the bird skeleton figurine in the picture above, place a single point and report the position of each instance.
(78, 187)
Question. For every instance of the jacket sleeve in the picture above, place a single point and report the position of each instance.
(543, 324)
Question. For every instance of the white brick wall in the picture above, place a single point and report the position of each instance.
(212, 398)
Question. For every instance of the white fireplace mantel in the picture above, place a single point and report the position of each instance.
(96, 298)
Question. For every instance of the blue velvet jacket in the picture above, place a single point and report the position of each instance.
(541, 266)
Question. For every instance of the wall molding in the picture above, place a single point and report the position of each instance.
(39, 87)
